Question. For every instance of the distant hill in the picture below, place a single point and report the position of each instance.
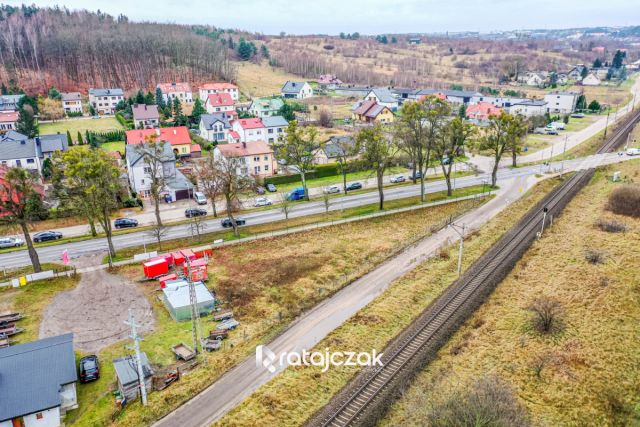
(40, 48)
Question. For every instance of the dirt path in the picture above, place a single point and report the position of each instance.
(96, 309)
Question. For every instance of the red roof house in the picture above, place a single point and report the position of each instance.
(219, 102)
(177, 136)
(482, 111)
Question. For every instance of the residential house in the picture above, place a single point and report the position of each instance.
(177, 136)
(535, 79)
(265, 107)
(255, 158)
(562, 78)
(496, 101)
(298, 90)
(333, 150)
(139, 172)
(38, 382)
(561, 102)
(104, 101)
(591, 80)
(384, 97)
(8, 120)
(145, 116)
(249, 129)
(180, 91)
(529, 107)
(220, 103)
(414, 40)
(215, 127)
(482, 111)
(601, 72)
(9, 102)
(275, 128)
(18, 150)
(127, 375)
(634, 66)
(576, 72)
(405, 93)
(52, 143)
(329, 81)
(71, 102)
(452, 96)
(372, 112)
(216, 88)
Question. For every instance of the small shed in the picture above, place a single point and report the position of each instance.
(176, 298)
(127, 375)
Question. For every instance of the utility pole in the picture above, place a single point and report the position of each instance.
(606, 126)
(136, 345)
(564, 149)
(460, 233)
(195, 314)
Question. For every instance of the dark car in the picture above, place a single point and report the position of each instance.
(43, 236)
(226, 223)
(260, 190)
(125, 222)
(354, 186)
(89, 369)
(271, 188)
(417, 175)
(191, 212)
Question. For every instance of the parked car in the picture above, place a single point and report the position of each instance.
(354, 186)
(199, 198)
(226, 223)
(633, 151)
(577, 116)
(191, 212)
(260, 190)
(557, 125)
(417, 175)
(228, 325)
(331, 189)
(539, 131)
(551, 131)
(89, 368)
(43, 236)
(271, 188)
(125, 222)
(396, 179)
(262, 201)
(296, 194)
(10, 242)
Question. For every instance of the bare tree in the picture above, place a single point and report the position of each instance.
(285, 205)
(158, 232)
(299, 150)
(501, 135)
(546, 314)
(197, 226)
(326, 200)
(346, 147)
(155, 154)
(234, 181)
(325, 118)
(378, 154)
(449, 145)
(208, 172)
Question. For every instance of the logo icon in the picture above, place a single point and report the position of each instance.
(265, 358)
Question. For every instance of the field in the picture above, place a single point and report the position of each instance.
(587, 372)
(261, 79)
(292, 397)
(267, 283)
(113, 146)
(80, 125)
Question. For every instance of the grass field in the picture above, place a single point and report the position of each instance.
(295, 394)
(591, 374)
(261, 79)
(113, 146)
(80, 125)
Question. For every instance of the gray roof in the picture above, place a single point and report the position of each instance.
(127, 368)
(177, 293)
(334, 147)
(144, 111)
(384, 95)
(51, 143)
(208, 120)
(532, 102)
(292, 87)
(31, 375)
(134, 152)
(106, 92)
(70, 96)
(178, 182)
(11, 149)
(12, 135)
(449, 92)
(273, 121)
(9, 102)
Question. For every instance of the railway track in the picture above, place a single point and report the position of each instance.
(367, 397)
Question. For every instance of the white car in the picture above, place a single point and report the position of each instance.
(10, 242)
(262, 201)
(331, 189)
(633, 152)
(397, 179)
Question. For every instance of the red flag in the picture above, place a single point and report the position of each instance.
(65, 257)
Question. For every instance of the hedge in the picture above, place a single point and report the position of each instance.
(320, 171)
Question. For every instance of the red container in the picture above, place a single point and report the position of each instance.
(178, 258)
(199, 263)
(163, 279)
(155, 267)
(168, 257)
(199, 274)
(203, 252)
(188, 254)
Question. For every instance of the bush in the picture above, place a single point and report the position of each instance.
(320, 171)
(127, 124)
(546, 313)
(611, 226)
(594, 257)
(74, 113)
(625, 200)
(132, 203)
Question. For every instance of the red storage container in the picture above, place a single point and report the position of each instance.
(168, 257)
(155, 267)
(203, 252)
(199, 263)
(178, 258)
(188, 253)
(199, 274)
(163, 279)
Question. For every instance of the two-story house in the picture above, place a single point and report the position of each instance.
(9, 102)
(297, 90)
(104, 101)
(561, 102)
(529, 108)
(249, 129)
(178, 137)
(220, 103)
(38, 382)
(145, 116)
(215, 88)
(171, 91)
(253, 159)
(265, 107)
(71, 102)
(382, 96)
(275, 128)
(372, 112)
(215, 127)
(18, 150)
(8, 120)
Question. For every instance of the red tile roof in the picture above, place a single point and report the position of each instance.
(173, 135)
(234, 134)
(195, 148)
(482, 111)
(174, 87)
(8, 116)
(220, 100)
(251, 123)
(219, 86)
(242, 150)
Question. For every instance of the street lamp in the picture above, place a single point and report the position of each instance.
(460, 232)
(544, 218)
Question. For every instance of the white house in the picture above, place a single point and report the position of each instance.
(265, 107)
(249, 129)
(535, 79)
(215, 88)
(38, 382)
(8, 120)
(298, 90)
(528, 108)
(576, 72)
(591, 80)
(71, 102)
(561, 102)
(496, 101)
(253, 159)
(219, 103)
(145, 116)
(275, 128)
(17, 150)
(215, 127)
(104, 101)
(383, 97)
(171, 91)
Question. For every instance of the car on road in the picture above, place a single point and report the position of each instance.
(89, 368)
(551, 131)
(260, 190)
(226, 223)
(44, 236)
(633, 151)
(397, 179)
(262, 201)
(193, 212)
(271, 188)
(199, 198)
(417, 175)
(10, 242)
(296, 194)
(125, 223)
(354, 186)
(331, 189)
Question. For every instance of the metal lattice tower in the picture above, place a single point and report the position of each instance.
(195, 314)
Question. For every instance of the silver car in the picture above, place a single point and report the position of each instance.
(10, 242)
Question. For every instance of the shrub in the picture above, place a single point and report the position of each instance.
(611, 226)
(325, 119)
(594, 257)
(546, 312)
(132, 203)
(74, 113)
(625, 200)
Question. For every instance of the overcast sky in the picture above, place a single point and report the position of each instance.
(369, 16)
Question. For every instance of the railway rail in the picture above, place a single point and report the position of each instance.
(365, 399)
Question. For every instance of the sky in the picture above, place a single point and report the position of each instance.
(369, 16)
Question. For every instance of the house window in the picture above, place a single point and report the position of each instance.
(256, 159)
(256, 169)
(270, 130)
(184, 149)
(266, 158)
(266, 167)
(147, 169)
(39, 416)
(30, 161)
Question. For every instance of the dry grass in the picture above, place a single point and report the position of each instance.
(293, 396)
(586, 375)
(261, 79)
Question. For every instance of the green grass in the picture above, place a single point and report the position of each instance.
(113, 146)
(80, 125)
(337, 179)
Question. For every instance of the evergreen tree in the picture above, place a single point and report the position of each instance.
(394, 40)
(26, 123)
(230, 43)
(47, 170)
(198, 111)
(245, 51)
(581, 103)
(597, 63)
(159, 99)
(584, 73)
(286, 111)
(462, 112)
(139, 97)
(54, 94)
(149, 99)
(28, 100)
(177, 107)
(87, 137)
(264, 51)
(594, 106)
(617, 59)
(4, 90)
(69, 140)
(121, 105)
(80, 141)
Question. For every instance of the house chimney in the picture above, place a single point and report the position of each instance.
(175, 132)
(158, 132)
